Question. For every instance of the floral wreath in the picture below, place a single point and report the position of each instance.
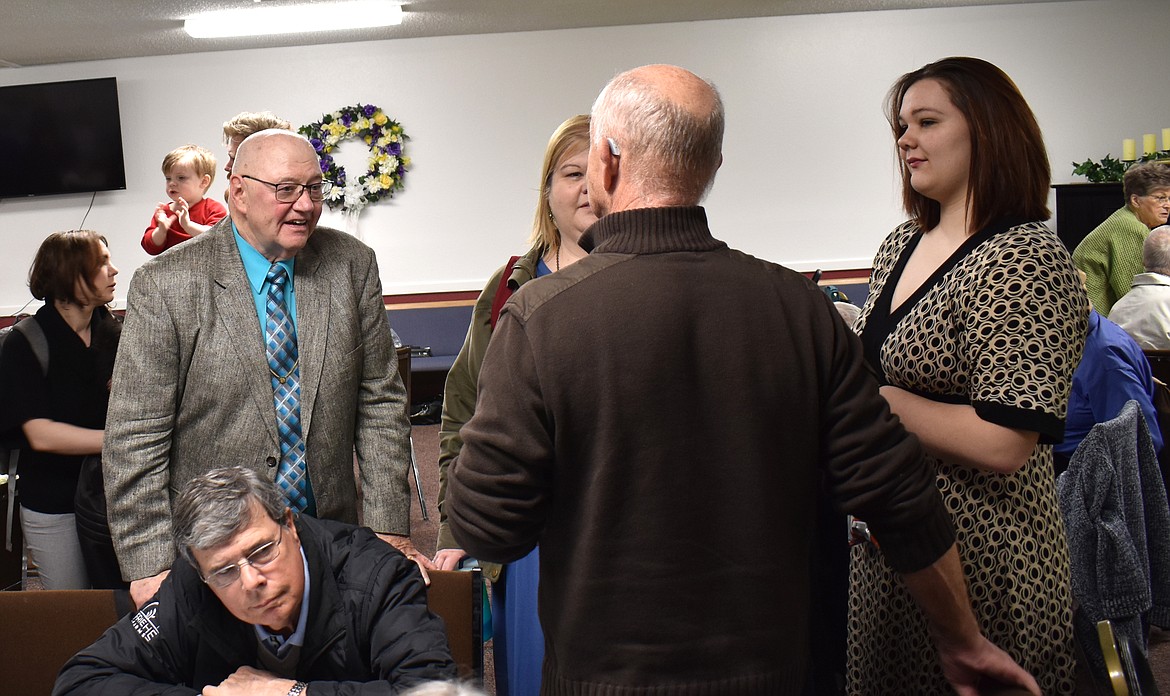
(387, 165)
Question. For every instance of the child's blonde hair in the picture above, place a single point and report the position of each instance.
(199, 158)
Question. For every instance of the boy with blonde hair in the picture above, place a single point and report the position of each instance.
(189, 171)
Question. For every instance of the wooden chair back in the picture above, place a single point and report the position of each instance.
(44, 628)
(456, 596)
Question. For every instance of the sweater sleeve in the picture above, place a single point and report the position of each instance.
(876, 469)
(507, 450)
(145, 654)
(147, 243)
(459, 396)
(1092, 258)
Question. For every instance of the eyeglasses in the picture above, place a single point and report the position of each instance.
(289, 193)
(259, 558)
(1160, 199)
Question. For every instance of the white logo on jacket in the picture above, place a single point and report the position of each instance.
(143, 622)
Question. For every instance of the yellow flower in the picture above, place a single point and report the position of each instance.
(380, 118)
(405, 161)
(385, 180)
(362, 124)
(368, 139)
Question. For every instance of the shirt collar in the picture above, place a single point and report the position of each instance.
(298, 636)
(256, 266)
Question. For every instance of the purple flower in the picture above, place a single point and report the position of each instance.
(324, 166)
(369, 110)
(346, 118)
(401, 170)
(375, 131)
(317, 144)
(396, 149)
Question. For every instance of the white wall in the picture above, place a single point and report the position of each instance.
(808, 176)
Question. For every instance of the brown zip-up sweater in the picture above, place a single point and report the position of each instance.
(662, 417)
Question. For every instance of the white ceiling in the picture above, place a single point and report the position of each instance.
(41, 32)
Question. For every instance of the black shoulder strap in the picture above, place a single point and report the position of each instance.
(35, 335)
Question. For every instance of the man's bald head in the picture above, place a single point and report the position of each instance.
(1156, 251)
(260, 144)
(273, 223)
(667, 125)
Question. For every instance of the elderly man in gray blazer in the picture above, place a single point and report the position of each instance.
(193, 389)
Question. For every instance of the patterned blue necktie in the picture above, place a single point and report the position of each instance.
(280, 341)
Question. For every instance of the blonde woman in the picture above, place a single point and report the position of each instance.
(562, 216)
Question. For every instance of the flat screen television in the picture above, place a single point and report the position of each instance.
(60, 137)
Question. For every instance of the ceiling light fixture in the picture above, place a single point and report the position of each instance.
(293, 19)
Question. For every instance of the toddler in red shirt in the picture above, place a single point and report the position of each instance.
(189, 171)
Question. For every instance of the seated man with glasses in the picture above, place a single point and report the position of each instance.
(262, 601)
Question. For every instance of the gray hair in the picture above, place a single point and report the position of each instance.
(1156, 251)
(217, 505)
(667, 147)
(848, 311)
(1145, 178)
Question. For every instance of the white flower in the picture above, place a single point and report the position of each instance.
(353, 196)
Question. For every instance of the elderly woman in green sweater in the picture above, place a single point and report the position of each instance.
(1111, 255)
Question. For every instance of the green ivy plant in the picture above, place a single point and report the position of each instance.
(1109, 169)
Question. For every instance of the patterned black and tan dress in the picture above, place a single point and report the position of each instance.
(1000, 326)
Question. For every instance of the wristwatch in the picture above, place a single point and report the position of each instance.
(297, 688)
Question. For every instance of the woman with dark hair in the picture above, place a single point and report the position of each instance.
(974, 324)
(562, 215)
(57, 415)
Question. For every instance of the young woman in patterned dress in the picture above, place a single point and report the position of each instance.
(974, 323)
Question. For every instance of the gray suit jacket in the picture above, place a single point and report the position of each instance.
(191, 389)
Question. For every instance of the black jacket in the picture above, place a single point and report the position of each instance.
(369, 630)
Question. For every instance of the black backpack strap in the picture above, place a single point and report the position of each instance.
(35, 335)
(11, 515)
